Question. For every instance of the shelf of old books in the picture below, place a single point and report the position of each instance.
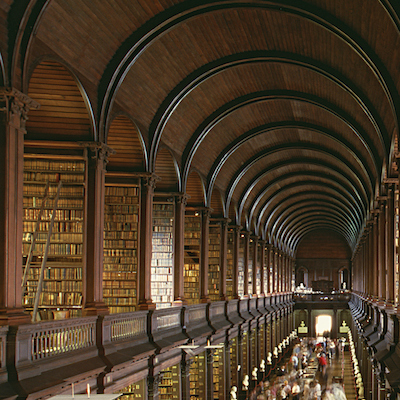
(121, 225)
(197, 377)
(169, 387)
(266, 271)
(258, 269)
(244, 347)
(229, 265)
(192, 257)
(61, 293)
(162, 283)
(250, 268)
(218, 374)
(252, 348)
(135, 391)
(261, 341)
(241, 267)
(234, 362)
(214, 260)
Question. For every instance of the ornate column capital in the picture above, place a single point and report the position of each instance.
(15, 103)
(98, 150)
(182, 198)
(149, 180)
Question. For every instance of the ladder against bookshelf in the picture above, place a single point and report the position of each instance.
(169, 387)
(61, 293)
(192, 258)
(121, 224)
(162, 283)
(214, 261)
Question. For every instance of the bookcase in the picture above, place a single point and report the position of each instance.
(261, 342)
(61, 293)
(241, 278)
(121, 225)
(197, 377)
(258, 270)
(397, 251)
(214, 260)
(266, 271)
(192, 257)
(229, 265)
(218, 375)
(162, 283)
(169, 387)
(244, 348)
(251, 267)
(234, 362)
(135, 391)
(252, 349)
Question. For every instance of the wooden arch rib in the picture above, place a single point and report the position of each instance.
(341, 162)
(166, 170)
(195, 190)
(304, 198)
(342, 179)
(304, 205)
(298, 221)
(134, 46)
(124, 138)
(63, 113)
(303, 188)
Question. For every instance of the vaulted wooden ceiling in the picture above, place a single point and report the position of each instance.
(289, 108)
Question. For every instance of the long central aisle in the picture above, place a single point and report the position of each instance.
(342, 367)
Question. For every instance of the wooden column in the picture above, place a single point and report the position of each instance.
(14, 109)
(205, 229)
(223, 266)
(148, 184)
(236, 244)
(381, 252)
(262, 266)
(179, 249)
(246, 235)
(97, 155)
(390, 247)
(255, 248)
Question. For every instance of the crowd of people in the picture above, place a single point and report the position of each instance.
(306, 375)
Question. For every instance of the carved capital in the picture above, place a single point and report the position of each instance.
(206, 212)
(16, 104)
(149, 181)
(98, 150)
(182, 198)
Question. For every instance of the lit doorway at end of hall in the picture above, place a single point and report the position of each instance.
(323, 326)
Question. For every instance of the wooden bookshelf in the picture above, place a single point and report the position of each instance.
(169, 387)
(258, 270)
(261, 341)
(241, 268)
(192, 258)
(218, 375)
(197, 378)
(234, 362)
(121, 225)
(135, 391)
(245, 354)
(250, 269)
(61, 293)
(229, 265)
(214, 261)
(253, 350)
(162, 283)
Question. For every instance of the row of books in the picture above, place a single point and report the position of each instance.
(35, 190)
(58, 226)
(36, 202)
(52, 177)
(60, 214)
(121, 243)
(56, 248)
(121, 209)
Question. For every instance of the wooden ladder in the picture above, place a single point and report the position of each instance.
(46, 249)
